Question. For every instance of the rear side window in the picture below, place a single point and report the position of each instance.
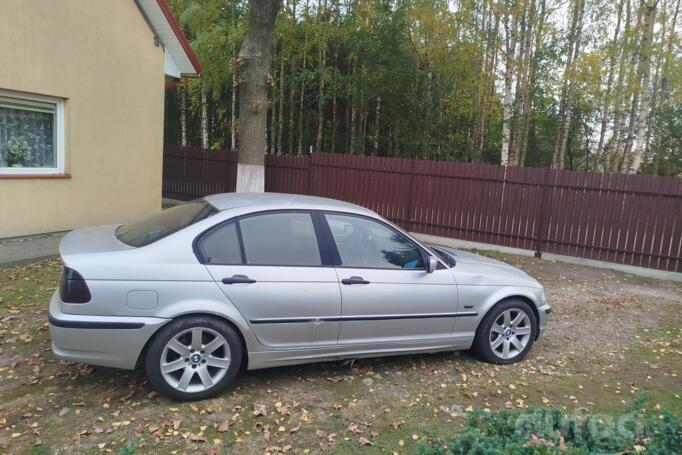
(221, 246)
(280, 239)
(155, 227)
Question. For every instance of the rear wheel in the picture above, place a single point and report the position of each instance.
(194, 358)
(506, 333)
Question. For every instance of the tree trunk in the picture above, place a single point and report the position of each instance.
(567, 89)
(183, 114)
(479, 132)
(428, 105)
(254, 62)
(571, 86)
(301, 107)
(635, 90)
(606, 100)
(353, 112)
(363, 124)
(292, 106)
(322, 55)
(280, 119)
(532, 80)
(521, 78)
(662, 97)
(204, 118)
(490, 85)
(334, 82)
(233, 114)
(522, 83)
(645, 75)
(613, 146)
(631, 131)
(377, 116)
(510, 52)
(273, 103)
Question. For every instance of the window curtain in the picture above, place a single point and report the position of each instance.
(32, 122)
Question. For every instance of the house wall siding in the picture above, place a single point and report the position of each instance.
(100, 57)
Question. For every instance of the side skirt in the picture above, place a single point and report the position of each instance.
(275, 358)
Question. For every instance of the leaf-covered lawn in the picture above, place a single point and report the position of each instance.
(611, 337)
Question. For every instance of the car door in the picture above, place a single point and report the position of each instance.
(270, 266)
(387, 295)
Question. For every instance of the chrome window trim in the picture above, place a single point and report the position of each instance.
(325, 241)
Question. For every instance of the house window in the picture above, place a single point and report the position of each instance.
(31, 134)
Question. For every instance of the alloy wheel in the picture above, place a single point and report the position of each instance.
(510, 333)
(195, 360)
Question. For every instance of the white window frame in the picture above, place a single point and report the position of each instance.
(59, 146)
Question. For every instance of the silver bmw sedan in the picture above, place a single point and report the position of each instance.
(239, 280)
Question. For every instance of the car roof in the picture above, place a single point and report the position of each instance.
(274, 201)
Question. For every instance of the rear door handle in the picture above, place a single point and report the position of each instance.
(354, 280)
(238, 279)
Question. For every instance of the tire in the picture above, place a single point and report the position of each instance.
(201, 354)
(497, 341)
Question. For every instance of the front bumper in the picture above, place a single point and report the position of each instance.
(110, 341)
(544, 312)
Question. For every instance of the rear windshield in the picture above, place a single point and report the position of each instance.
(153, 228)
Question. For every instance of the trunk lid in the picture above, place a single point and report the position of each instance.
(96, 239)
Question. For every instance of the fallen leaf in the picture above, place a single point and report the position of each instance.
(365, 442)
(224, 427)
(396, 423)
(196, 437)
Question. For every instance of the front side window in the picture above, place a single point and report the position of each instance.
(31, 134)
(280, 239)
(364, 243)
(155, 227)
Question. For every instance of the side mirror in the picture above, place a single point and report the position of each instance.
(431, 264)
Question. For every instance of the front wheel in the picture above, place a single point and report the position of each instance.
(506, 333)
(193, 358)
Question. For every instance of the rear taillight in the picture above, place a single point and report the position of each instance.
(73, 288)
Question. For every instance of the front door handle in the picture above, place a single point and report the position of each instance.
(234, 279)
(354, 280)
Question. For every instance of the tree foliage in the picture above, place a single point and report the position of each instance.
(588, 84)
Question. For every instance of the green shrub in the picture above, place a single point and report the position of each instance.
(130, 447)
(552, 431)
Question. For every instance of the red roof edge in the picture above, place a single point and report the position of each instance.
(181, 36)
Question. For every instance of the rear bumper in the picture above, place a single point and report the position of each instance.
(111, 341)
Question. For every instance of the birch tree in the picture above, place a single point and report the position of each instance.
(510, 16)
(644, 76)
(565, 114)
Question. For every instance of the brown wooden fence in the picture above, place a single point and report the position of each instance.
(190, 172)
(634, 220)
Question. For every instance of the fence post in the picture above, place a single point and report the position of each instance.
(410, 201)
(310, 174)
(542, 216)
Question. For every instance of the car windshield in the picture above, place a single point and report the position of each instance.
(153, 228)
